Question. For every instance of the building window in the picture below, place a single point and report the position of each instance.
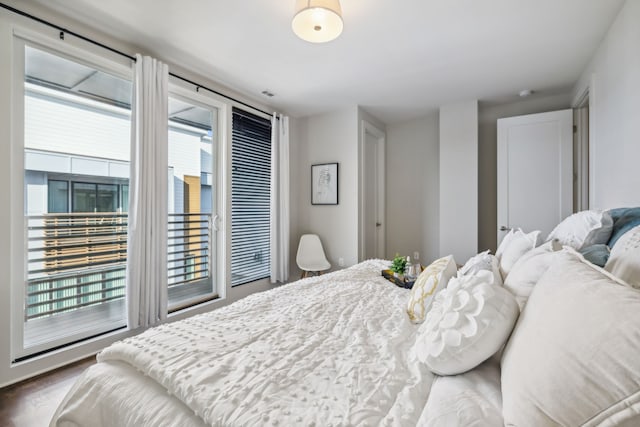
(87, 197)
(58, 196)
(250, 197)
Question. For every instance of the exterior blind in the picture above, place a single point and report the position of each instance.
(250, 193)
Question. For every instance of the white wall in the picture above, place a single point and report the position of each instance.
(297, 154)
(459, 180)
(613, 78)
(327, 138)
(413, 177)
(488, 115)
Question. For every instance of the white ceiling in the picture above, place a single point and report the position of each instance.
(397, 59)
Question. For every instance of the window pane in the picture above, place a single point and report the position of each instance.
(107, 200)
(191, 245)
(84, 197)
(58, 196)
(250, 198)
(124, 198)
(76, 129)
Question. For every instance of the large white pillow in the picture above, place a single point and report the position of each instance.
(583, 229)
(482, 261)
(528, 269)
(504, 243)
(473, 399)
(469, 321)
(519, 244)
(429, 282)
(624, 260)
(572, 358)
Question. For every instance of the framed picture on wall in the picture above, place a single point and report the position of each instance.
(324, 184)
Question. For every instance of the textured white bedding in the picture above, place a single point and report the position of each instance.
(473, 399)
(114, 394)
(324, 351)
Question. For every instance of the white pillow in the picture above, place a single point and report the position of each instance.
(528, 269)
(519, 244)
(583, 229)
(428, 283)
(473, 399)
(504, 243)
(624, 260)
(482, 261)
(572, 358)
(468, 322)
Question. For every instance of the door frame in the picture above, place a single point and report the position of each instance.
(583, 131)
(380, 136)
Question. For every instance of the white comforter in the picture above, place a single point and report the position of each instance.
(323, 351)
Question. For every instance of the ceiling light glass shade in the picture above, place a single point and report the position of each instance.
(317, 21)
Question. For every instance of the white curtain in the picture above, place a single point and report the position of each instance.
(147, 236)
(279, 231)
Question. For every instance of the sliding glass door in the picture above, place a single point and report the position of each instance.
(76, 186)
(73, 141)
(193, 192)
(76, 117)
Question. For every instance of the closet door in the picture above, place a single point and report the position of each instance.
(535, 165)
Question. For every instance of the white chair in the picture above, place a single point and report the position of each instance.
(311, 257)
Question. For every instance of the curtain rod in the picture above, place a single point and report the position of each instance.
(64, 31)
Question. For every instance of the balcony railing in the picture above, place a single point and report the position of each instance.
(79, 260)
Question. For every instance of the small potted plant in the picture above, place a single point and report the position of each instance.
(398, 266)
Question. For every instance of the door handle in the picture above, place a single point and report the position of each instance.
(378, 224)
(214, 223)
(505, 228)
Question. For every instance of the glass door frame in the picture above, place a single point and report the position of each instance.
(217, 252)
(116, 66)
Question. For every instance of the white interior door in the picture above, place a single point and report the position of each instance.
(535, 168)
(372, 227)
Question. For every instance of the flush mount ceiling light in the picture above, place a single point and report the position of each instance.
(317, 21)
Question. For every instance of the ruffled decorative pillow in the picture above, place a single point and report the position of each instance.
(583, 229)
(468, 322)
(428, 283)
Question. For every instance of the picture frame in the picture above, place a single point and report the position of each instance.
(324, 184)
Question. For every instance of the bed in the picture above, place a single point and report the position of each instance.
(340, 350)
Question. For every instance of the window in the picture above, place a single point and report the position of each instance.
(58, 196)
(250, 197)
(76, 154)
(87, 197)
(76, 115)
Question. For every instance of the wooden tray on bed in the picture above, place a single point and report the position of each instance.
(403, 283)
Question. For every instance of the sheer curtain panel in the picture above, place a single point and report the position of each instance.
(279, 232)
(147, 235)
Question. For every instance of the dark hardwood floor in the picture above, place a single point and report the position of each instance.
(32, 402)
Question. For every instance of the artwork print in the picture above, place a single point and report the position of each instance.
(324, 184)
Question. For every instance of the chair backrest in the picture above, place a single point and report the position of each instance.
(310, 251)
